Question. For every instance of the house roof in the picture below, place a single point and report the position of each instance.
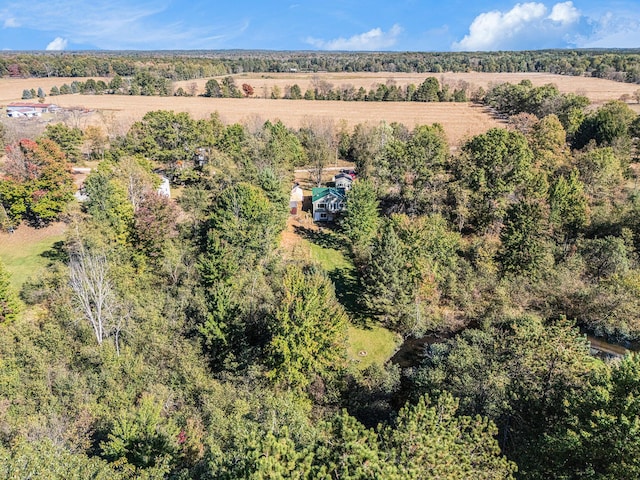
(29, 105)
(321, 192)
(344, 175)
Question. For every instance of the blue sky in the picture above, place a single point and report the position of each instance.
(397, 25)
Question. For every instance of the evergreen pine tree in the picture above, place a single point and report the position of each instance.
(387, 287)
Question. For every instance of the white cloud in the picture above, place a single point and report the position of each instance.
(122, 24)
(57, 44)
(564, 13)
(374, 39)
(525, 26)
(614, 31)
(11, 23)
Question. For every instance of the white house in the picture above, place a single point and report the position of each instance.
(344, 181)
(327, 202)
(29, 109)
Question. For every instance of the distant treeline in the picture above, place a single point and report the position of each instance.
(619, 65)
(146, 84)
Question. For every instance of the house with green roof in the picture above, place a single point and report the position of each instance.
(328, 203)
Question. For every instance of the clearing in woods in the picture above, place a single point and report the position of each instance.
(24, 252)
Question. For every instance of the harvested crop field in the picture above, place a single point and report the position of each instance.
(460, 120)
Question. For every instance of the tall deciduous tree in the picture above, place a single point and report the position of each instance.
(319, 141)
(38, 184)
(94, 294)
(68, 139)
(496, 165)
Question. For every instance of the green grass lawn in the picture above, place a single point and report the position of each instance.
(27, 261)
(329, 258)
(367, 346)
(367, 343)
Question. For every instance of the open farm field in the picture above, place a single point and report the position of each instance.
(598, 90)
(460, 120)
(11, 88)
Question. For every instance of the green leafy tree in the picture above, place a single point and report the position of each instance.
(600, 437)
(38, 184)
(308, 331)
(282, 149)
(244, 219)
(429, 440)
(549, 143)
(607, 124)
(142, 437)
(9, 303)
(275, 456)
(523, 247)
(496, 166)
(44, 458)
(427, 91)
(108, 205)
(228, 89)
(361, 219)
(295, 93)
(26, 94)
(569, 210)
(345, 449)
(165, 136)
(388, 290)
(601, 171)
(68, 139)
(520, 373)
(212, 89)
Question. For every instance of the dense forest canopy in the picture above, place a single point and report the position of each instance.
(620, 65)
(181, 338)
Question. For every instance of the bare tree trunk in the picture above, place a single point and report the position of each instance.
(93, 292)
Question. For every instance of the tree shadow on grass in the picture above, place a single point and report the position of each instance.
(323, 238)
(56, 253)
(349, 294)
(344, 278)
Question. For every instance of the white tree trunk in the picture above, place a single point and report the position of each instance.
(93, 292)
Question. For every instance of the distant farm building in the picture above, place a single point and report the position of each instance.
(29, 109)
